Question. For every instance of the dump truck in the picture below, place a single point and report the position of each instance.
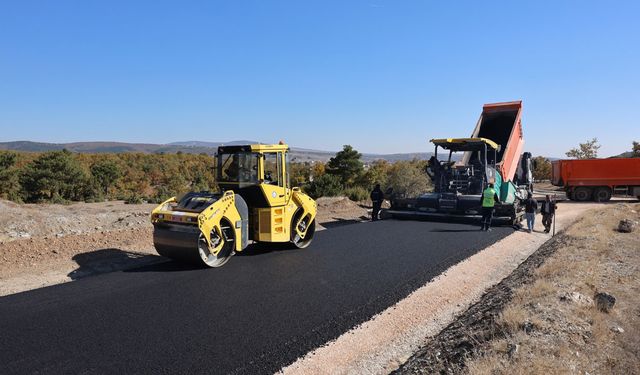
(597, 179)
(493, 153)
(256, 203)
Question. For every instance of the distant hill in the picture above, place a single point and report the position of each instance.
(628, 154)
(101, 147)
(210, 144)
(191, 147)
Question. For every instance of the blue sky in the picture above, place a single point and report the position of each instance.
(384, 76)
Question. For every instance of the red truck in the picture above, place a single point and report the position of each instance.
(597, 179)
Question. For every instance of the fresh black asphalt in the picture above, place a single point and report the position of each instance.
(256, 314)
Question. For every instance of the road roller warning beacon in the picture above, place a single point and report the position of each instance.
(256, 203)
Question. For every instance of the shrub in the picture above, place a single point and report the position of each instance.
(9, 177)
(106, 172)
(134, 199)
(408, 179)
(327, 185)
(52, 175)
(92, 191)
(162, 194)
(377, 173)
(357, 193)
(541, 168)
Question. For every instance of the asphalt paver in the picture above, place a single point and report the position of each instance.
(258, 313)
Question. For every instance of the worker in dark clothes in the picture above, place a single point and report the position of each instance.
(530, 208)
(489, 198)
(377, 196)
(548, 210)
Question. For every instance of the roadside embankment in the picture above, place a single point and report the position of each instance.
(553, 314)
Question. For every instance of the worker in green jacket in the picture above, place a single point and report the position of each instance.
(489, 198)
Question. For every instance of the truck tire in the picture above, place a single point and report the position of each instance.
(582, 194)
(602, 194)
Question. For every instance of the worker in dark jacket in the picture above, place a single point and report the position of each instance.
(548, 210)
(530, 208)
(489, 198)
(377, 197)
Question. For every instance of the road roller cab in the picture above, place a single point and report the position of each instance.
(256, 203)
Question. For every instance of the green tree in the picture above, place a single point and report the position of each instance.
(541, 168)
(327, 185)
(7, 160)
(54, 175)
(9, 183)
(636, 149)
(376, 173)
(408, 179)
(346, 165)
(106, 172)
(299, 173)
(587, 150)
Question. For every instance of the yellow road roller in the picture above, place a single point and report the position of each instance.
(256, 203)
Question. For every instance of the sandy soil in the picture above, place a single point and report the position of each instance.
(340, 210)
(390, 338)
(46, 244)
(24, 221)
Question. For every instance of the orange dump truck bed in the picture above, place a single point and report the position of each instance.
(597, 179)
(500, 122)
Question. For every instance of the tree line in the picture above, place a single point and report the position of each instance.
(345, 174)
(64, 176)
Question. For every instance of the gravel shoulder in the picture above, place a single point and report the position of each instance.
(47, 244)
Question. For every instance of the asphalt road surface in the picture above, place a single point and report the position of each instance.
(256, 314)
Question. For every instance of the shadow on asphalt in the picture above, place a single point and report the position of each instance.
(108, 260)
(265, 248)
(166, 266)
(439, 230)
(340, 222)
(453, 219)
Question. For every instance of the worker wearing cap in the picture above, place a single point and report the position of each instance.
(489, 198)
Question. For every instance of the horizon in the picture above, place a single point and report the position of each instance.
(183, 143)
(384, 77)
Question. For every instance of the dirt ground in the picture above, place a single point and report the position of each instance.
(543, 318)
(46, 244)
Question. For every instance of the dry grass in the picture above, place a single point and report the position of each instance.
(567, 336)
(513, 318)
